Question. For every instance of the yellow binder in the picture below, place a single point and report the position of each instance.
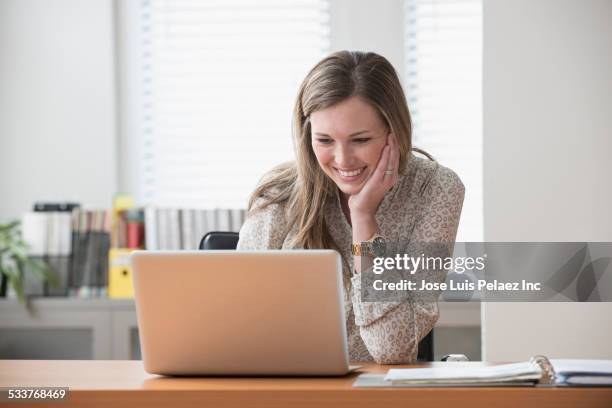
(120, 274)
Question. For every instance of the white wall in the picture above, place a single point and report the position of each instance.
(367, 25)
(57, 109)
(547, 167)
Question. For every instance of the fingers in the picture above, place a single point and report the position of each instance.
(391, 171)
(383, 164)
(386, 172)
(395, 155)
(394, 158)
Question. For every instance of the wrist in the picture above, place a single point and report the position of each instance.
(362, 217)
(364, 227)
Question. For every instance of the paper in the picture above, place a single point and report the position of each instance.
(466, 374)
(371, 380)
(583, 372)
(564, 366)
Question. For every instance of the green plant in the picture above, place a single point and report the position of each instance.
(14, 260)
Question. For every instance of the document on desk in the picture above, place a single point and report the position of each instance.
(538, 371)
(456, 374)
(459, 375)
(583, 372)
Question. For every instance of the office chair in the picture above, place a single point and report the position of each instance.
(219, 240)
(229, 241)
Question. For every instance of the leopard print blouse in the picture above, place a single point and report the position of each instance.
(423, 206)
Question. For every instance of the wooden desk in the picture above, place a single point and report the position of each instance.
(126, 384)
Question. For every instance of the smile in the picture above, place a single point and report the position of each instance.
(350, 173)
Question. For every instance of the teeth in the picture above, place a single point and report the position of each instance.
(350, 173)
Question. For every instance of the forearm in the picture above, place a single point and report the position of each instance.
(394, 338)
(391, 331)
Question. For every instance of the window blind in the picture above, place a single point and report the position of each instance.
(216, 83)
(443, 81)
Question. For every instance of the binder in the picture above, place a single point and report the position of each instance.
(47, 231)
(55, 207)
(119, 270)
(120, 274)
(538, 371)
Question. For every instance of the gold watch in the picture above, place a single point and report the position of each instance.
(375, 247)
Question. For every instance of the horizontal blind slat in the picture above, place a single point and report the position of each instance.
(443, 82)
(217, 85)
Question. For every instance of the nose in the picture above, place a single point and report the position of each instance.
(343, 155)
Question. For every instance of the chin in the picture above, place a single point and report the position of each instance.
(349, 190)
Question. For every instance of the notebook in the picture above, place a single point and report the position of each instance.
(539, 370)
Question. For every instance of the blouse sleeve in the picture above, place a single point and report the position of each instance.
(263, 228)
(391, 331)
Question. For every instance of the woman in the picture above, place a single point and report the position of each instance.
(354, 182)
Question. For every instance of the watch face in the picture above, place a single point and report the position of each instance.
(379, 247)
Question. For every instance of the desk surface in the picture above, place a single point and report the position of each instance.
(125, 383)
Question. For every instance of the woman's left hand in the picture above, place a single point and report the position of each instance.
(366, 202)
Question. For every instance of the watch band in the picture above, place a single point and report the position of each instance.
(365, 247)
(360, 248)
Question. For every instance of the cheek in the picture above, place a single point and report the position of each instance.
(323, 155)
(372, 154)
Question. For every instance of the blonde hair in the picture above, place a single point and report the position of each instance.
(302, 185)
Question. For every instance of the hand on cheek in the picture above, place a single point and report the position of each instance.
(366, 201)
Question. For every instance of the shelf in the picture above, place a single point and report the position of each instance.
(107, 329)
(99, 329)
(46, 303)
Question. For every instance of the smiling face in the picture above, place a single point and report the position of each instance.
(348, 139)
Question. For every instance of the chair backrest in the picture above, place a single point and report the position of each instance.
(219, 240)
(229, 241)
(425, 352)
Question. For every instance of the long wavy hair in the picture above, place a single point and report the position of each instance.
(302, 185)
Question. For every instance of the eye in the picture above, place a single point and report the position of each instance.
(324, 140)
(362, 140)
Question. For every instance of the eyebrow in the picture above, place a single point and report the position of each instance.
(351, 135)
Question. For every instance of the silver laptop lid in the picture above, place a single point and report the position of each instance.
(241, 312)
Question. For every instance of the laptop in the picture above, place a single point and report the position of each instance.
(244, 313)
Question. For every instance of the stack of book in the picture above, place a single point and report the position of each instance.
(48, 234)
(90, 246)
(173, 229)
(74, 243)
(78, 243)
